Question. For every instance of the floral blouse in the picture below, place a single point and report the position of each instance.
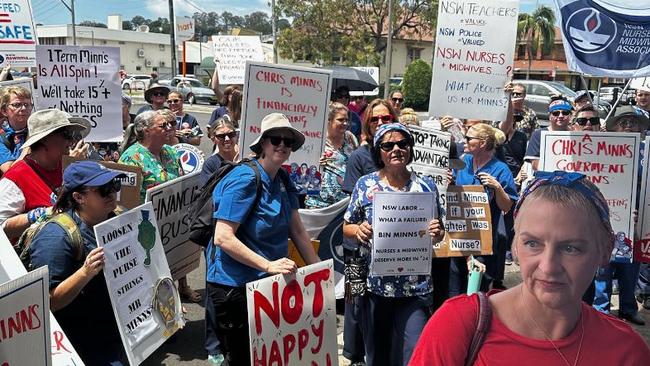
(333, 173)
(154, 171)
(360, 210)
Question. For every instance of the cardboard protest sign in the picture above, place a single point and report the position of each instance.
(473, 56)
(401, 244)
(63, 353)
(468, 223)
(373, 71)
(129, 195)
(302, 94)
(184, 28)
(25, 314)
(83, 81)
(145, 300)
(292, 318)
(171, 201)
(431, 155)
(294, 253)
(610, 160)
(18, 36)
(642, 246)
(231, 54)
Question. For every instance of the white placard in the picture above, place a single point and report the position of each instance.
(431, 156)
(135, 267)
(401, 244)
(373, 71)
(63, 353)
(302, 94)
(18, 36)
(231, 54)
(640, 83)
(184, 29)
(83, 81)
(171, 202)
(25, 312)
(473, 56)
(610, 160)
(292, 318)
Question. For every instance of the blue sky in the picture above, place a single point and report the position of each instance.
(54, 12)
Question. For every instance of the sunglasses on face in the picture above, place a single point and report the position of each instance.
(168, 125)
(230, 135)
(517, 94)
(470, 138)
(592, 121)
(173, 101)
(390, 145)
(558, 113)
(287, 141)
(397, 100)
(384, 118)
(113, 186)
(626, 123)
(159, 94)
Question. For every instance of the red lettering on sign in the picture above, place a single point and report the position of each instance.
(316, 278)
(59, 337)
(289, 342)
(291, 310)
(260, 302)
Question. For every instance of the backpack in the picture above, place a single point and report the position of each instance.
(202, 223)
(22, 247)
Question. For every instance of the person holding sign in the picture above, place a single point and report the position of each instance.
(483, 168)
(78, 295)
(395, 309)
(562, 234)
(252, 227)
(16, 105)
(625, 119)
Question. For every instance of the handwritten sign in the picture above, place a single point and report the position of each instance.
(292, 318)
(83, 81)
(63, 353)
(642, 247)
(18, 36)
(129, 195)
(401, 244)
(145, 300)
(302, 94)
(468, 225)
(475, 45)
(373, 71)
(25, 314)
(184, 28)
(610, 161)
(231, 54)
(431, 155)
(171, 201)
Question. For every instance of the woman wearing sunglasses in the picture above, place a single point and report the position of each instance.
(262, 223)
(187, 127)
(483, 168)
(225, 137)
(78, 295)
(394, 309)
(155, 95)
(560, 114)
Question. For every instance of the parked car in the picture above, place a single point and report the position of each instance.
(193, 90)
(137, 82)
(539, 92)
(612, 93)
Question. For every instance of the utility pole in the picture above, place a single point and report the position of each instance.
(389, 49)
(172, 36)
(274, 31)
(74, 29)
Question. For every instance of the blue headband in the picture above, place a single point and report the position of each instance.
(559, 105)
(383, 129)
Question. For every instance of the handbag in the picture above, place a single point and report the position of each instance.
(482, 328)
(356, 275)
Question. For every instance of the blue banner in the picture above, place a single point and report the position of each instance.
(602, 39)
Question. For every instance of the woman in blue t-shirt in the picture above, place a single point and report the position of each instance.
(251, 231)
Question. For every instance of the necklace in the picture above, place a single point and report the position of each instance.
(548, 338)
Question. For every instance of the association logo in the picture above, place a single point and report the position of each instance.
(191, 158)
(590, 31)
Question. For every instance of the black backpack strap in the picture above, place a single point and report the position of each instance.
(482, 328)
(5, 141)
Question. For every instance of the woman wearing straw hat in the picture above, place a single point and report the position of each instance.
(262, 224)
(28, 188)
(156, 96)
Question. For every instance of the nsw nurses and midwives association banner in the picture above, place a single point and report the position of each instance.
(605, 37)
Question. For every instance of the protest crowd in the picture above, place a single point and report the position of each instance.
(64, 204)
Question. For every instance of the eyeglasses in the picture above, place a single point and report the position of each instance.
(287, 141)
(390, 145)
(626, 123)
(173, 101)
(517, 94)
(470, 138)
(564, 113)
(384, 118)
(21, 105)
(397, 100)
(167, 125)
(230, 135)
(159, 94)
(113, 186)
(592, 121)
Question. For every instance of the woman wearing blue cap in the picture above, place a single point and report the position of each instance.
(395, 308)
(66, 244)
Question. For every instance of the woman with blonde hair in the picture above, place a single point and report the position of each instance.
(483, 168)
(409, 117)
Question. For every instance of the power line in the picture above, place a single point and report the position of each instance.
(195, 6)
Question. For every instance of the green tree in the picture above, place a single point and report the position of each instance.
(92, 23)
(417, 85)
(538, 31)
(258, 21)
(127, 25)
(352, 32)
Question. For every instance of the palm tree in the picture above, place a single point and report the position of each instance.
(538, 30)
